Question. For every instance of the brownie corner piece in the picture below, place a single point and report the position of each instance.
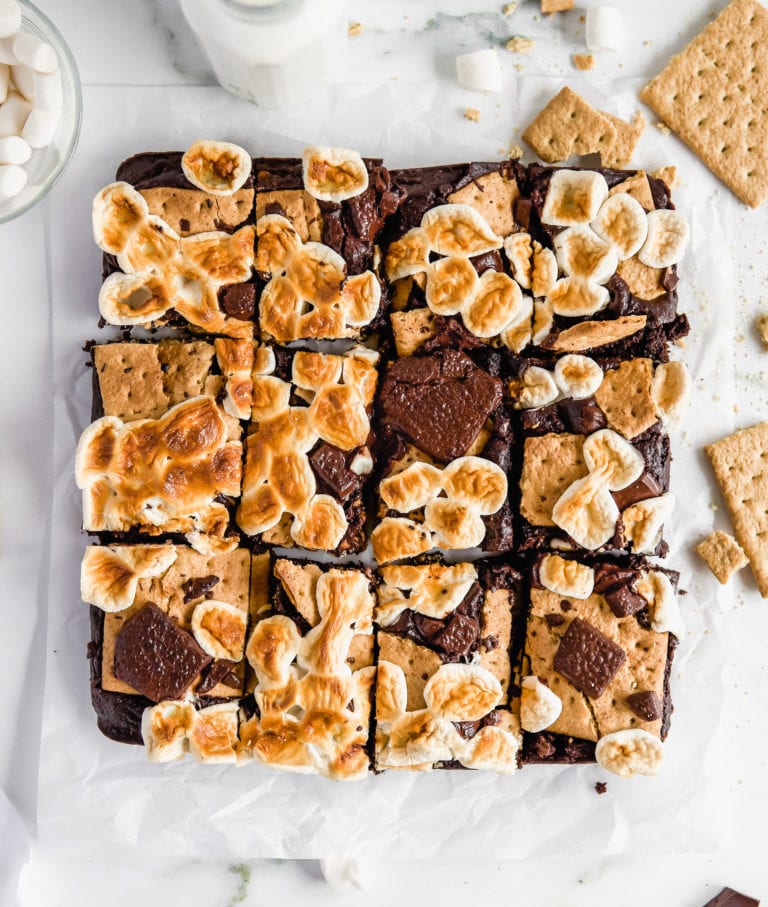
(446, 645)
(599, 642)
(446, 451)
(312, 655)
(309, 449)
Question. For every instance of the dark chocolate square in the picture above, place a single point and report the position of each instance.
(730, 898)
(156, 657)
(587, 658)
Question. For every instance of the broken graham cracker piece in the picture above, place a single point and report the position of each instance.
(628, 135)
(740, 463)
(713, 95)
(556, 6)
(569, 125)
(761, 325)
(583, 62)
(723, 555)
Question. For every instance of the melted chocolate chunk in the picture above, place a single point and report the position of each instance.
(155, 656)
(728, 897)
(198, 587)
(582, 417)
(623, 601)
(439, 402)
(645, 487)
(587, 658)
(219, 671)
(459, 637)
(499, 529)
(645, 705)
(611, 576)
(450, 333)
(329, 464)
(238, 301)
(490, 261)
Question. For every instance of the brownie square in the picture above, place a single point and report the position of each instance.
(134, 590)
(611, 401)
(189, 212)
(312, 659)
(445, 632)
(164, 454)
(446, 442)
(336, 239)
(308, 449)
(590, 665)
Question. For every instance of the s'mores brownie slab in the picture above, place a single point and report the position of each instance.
(177, 231)
(168, 632)
(318, 221)
(445, 662)
(308, 449)
(446, 447)
(452, 285)
(312, 656)
(164, 456)
(616, 239)
(596, 456)
(598, 651)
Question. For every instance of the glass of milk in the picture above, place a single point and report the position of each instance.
(273, 53)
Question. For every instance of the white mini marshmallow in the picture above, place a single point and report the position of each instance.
(48, 91)
(40, 128)
(12, 180)
(13, 114)
(10, 18)
(32, 52)
(605, 29)
(14, 150)
(479, 70)
(7, 55)
(5, 81)
(24, 79)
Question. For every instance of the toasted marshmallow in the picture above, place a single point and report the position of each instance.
(538, 388)
(462, 692)
(454, 524)
(668, 236)
(519, 250)
(219, 629)
(333, 174)
(213, 735)
(630, 752)
(540, 707)
(476, 481)
(582, 253)
(642, 522)
(412, 488)
(574, 297)
(657, 589)
(565, 577)
(164, 729)
(605, 29)
(451, 283)
(219, 168)
(622, 222)
(574, 197)
(496, 304)
(587, 512)
(671, 392)
(408, 255)
(577, 376)
(620, 463)
(455, 229)
(544, 270)
(479, 70)
(362, 462)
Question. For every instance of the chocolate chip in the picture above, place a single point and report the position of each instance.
(554, 620)
(565, 605)
(155, 656)
(198, 587)
(238, 301)
(646, 705)
(489, 643)
(587, 658)
(623, 601)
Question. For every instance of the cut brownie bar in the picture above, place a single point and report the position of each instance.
(598, 650)
(446, 450)
(316, 256)
(308, 451)
(444, 669)
(165, 455)
(174, 253)
(312, 657)
(167, 623)
(595, 459)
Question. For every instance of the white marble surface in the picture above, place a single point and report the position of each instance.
(143, 43)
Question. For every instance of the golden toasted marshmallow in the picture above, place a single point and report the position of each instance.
(408, 255)
(461, 692)
(109, 577)
(333, 174)
(164, 729)
(219, 168)
(395, 538)
(497, 303)
(476, 481)
(412, 488)
(454, 524)
(219, 629)
(451, 284)
(213, 735)
(458, 230)
(620, 463)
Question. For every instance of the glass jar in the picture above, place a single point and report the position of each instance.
(273, 53)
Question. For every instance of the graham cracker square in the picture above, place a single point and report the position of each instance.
(740, 462)
(723, 555)
(714, 95)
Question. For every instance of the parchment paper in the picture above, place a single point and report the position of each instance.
(96, 795)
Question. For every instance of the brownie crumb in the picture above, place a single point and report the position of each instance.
(600, 787)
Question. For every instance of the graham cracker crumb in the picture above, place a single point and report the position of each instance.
(520, 45)
(514, 152)
(472, 113)
(556, 6)
(583, 61)
(667, 175)
(662, 127)
(761, 324)
(509, 8)
(355, 28)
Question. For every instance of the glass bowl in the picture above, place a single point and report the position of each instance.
(47, 164)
